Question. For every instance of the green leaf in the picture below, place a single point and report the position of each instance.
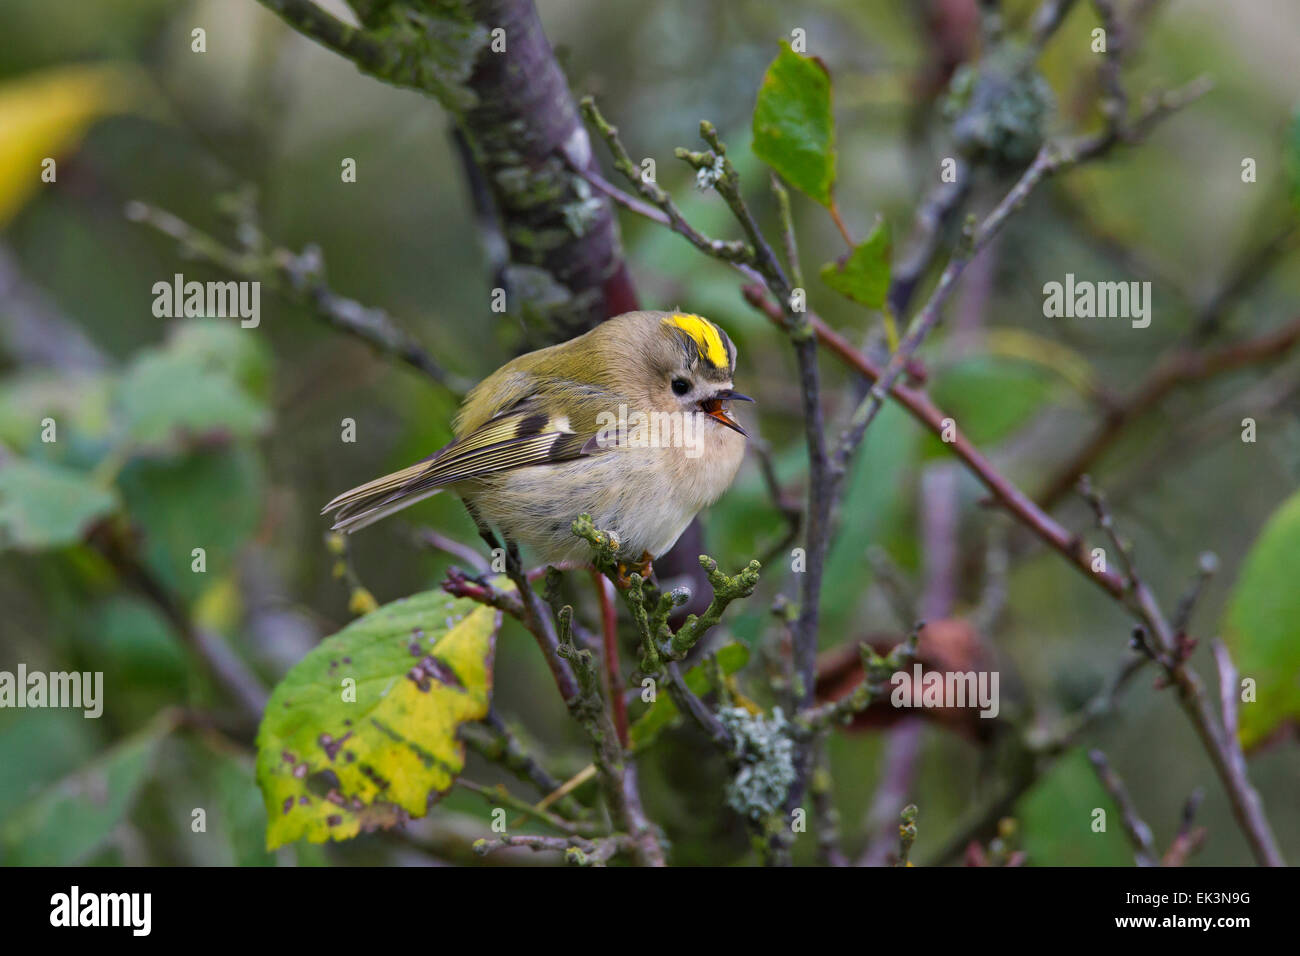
(77, 403)
(1056, 818)
(235, 816)
(990, 398)
(794, 131)
(1261, 626)
(127, 637)
(415, 670)
(48, 506)
(663, 712)
(876, 502)
(210, 500)
(863, 275)
(240, 806)
(69, 821)
(173, 397)
(224, 347)
(48, 744)
(732, 521)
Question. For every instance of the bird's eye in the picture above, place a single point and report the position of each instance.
(681, 386)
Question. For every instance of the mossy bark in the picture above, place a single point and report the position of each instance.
(516, 112)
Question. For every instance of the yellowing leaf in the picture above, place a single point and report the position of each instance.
(219, 606)
(45, 115)
(362, 732)
(1262, 626)
(1050, 354)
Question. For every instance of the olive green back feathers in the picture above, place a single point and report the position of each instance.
(543, 407)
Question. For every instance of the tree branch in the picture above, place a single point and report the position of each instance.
(300, 277)
(513, 106)
(1171, 651)
(1175, 370)
(1139, 834)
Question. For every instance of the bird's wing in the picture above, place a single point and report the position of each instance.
(524, 435)
(521, 436)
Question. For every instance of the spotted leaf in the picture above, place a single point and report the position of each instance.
(363, 732)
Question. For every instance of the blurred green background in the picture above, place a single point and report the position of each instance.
(265, 108)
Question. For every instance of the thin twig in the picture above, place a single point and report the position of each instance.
(1171, 652)
(827, 817)
(368, 52)
(1189, 837)
(690, 704)
(613, 672)
(1139, 834)
(497, 742)
(662, 209)
(899, 764)
(500, 796)
(877, 672)
(1250, 269)
(441, 542)
(1205, 569)
(300, 277)
(225, 667)
(1051, 159)
(919, 405)
(1048, 19)
(458, 584)
(932, 216)
(906, 835)
(577, 850)
(1174, 371)
(790, 511)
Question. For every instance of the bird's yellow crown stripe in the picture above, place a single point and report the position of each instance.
(705, 335)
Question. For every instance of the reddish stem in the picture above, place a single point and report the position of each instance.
(919, 406)
(834, 210)
(613, 680)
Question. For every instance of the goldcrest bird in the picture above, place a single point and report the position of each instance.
(629, 423)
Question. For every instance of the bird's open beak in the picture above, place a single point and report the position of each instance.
(714, 408)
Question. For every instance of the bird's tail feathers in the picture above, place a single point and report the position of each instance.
(365, 504)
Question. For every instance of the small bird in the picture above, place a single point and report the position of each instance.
(629, 423)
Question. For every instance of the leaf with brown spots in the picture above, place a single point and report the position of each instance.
(363, 732)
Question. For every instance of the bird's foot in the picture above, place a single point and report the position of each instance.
(643, 566)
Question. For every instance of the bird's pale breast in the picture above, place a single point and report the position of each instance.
(646, 496)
